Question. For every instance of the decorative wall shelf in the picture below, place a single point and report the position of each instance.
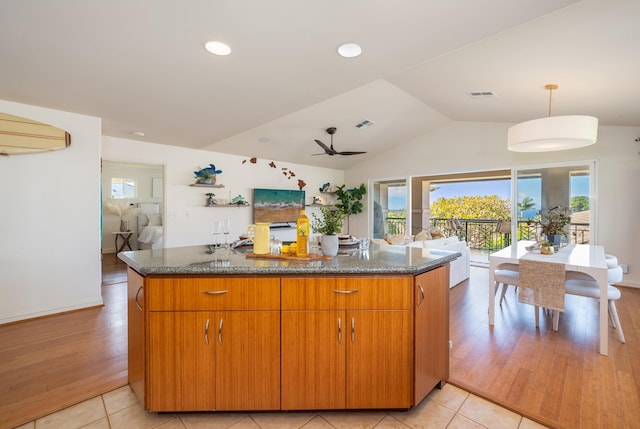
(228, 205)
(200, 185)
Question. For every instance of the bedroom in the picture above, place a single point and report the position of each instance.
(139, 187)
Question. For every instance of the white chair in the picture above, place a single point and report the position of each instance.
(542, 284)
(505, 275)
(584, 285)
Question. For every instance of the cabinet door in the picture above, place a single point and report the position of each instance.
(181, 361)
(313, 360)
(247, 360)
(135, 330)
(431, 320)
(379, 359)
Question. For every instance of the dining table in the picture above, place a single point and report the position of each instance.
(585, 258)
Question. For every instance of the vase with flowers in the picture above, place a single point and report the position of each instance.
(553, 223)
(121, 209)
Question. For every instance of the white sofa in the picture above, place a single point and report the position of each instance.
(460, 268)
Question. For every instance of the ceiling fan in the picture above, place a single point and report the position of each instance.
(329, 150)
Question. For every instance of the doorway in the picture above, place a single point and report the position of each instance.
(126, 185)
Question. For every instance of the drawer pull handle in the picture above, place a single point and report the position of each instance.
(353, 330)
(206, 332)
(346, 292)
(214, 292)
(421, 295)
(220, 331)
(339, 330)
(137, 296)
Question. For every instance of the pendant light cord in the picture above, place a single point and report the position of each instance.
(550, 87)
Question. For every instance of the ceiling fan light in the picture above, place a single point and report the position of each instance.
(553, 133)
(349, 50)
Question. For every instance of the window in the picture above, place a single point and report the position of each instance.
(123, 188)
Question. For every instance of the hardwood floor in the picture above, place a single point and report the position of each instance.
(556, 378)
(52, 362)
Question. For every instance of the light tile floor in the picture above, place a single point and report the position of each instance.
(450, 408)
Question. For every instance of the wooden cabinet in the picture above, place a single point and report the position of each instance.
(214, 344)
(291, 343)
(136, 334)
(431, 331)
(346, 342)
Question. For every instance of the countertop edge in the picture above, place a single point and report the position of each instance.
(286, 270)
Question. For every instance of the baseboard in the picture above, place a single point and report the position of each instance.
(52, 312)
(630, 284)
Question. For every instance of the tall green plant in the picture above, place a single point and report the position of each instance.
(350, 200)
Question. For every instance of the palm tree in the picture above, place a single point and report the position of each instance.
(527, 203)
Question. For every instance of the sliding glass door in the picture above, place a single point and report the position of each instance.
(562, 191)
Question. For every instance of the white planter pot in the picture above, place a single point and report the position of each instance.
(329, 245)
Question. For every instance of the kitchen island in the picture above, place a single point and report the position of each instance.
(212, 329)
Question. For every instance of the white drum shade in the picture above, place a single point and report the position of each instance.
(553, 133)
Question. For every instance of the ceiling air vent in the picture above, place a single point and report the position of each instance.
(365, 123)
(482, 94)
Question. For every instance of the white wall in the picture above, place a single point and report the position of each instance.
(49, 221)
(186, 218)
(460, 147)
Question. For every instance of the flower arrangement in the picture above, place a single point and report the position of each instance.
(329, 224)
(119, 208)
(555, 220)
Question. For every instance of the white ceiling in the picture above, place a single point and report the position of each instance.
(140, 65)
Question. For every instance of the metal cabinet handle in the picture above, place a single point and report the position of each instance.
(214, 292)
(137, 301)
(339, 330)
(220, 331)
(353, 330)
(346, 292)
(421, 295)
(206, 332)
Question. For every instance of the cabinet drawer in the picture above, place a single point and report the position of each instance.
(388, 293)
(193, 293)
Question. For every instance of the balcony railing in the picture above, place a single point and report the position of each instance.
(481, 233)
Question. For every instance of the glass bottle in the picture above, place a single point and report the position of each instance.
(302, 235)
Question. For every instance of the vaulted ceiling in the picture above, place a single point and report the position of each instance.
(140, 65)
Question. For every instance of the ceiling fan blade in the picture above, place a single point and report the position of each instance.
(326, 148)
(350, 153)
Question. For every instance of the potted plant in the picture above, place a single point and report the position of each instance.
(553, 223)
(546, 248)
(329, 224)
(350, 200)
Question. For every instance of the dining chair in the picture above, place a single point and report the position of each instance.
(542, 284)
(581, 284)
(506, 275)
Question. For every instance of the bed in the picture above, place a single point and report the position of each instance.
(149, 226)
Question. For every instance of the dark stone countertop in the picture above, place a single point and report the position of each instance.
(204, 260)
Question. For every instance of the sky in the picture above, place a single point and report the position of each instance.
(501, 188)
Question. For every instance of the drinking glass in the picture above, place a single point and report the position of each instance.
(216, 229)
(226, 229)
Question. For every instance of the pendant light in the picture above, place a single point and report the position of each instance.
(553, 133)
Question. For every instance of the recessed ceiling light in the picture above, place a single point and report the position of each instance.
(138, 133)
(217, 48)
(349, 50)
